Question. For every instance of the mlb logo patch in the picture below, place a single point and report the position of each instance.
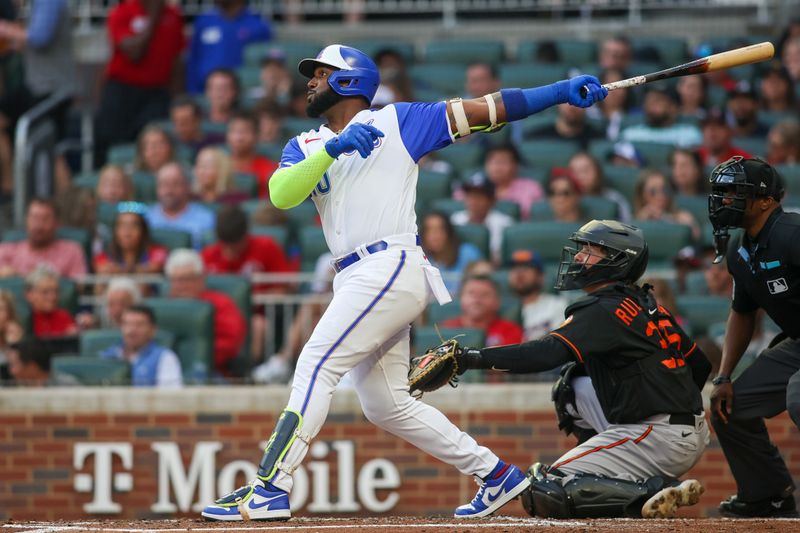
(777, 286)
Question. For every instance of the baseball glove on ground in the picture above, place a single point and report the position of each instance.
(435, 368)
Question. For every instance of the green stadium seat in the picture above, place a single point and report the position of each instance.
(424, 94)
(94, 341)
(171, 238)
(431, 186)
(640, 68)
(192, 324)
(279, 234)
(270, 150)
(239, 289)
(302, 215)
(716, 97)
(696, 283)
(312, 245)
(531, 74)
(122, 154)
(510, 309)
(622, 179)
(209, 127)
(294, 51)
(664, 239)
(756, 146)
(703, 311)
(572, 52)
(86, 180)
(464, 51)
(106, 213)
(656, 154)
(447, 78)
(462, 156)
(294, 126)
(144, 184)
(477, 234)
(547, 238)
(600, 149)
(246, 183)
(548, 153)
(448, 206)
(426, 337)
(372, 46)
(67, 292)
(249, 76)
(509, 208)
(593, 207)
(791, 178)
(770, 118)
(743, 72)
(93, 371)
(672, 50)
(251, 206)
(696, 205)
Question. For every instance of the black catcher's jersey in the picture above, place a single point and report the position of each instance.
(638, 357)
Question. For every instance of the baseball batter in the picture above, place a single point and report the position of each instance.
(641, 396)
(360, 169)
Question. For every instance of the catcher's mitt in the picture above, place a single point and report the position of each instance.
(435, 368)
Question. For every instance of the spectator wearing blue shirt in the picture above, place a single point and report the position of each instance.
(152, 365)
(174, 210)
(444, 249)
(219, 39)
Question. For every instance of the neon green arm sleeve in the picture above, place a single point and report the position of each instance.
(289, 186)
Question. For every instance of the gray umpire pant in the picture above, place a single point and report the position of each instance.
(633, 452)
(765, 389)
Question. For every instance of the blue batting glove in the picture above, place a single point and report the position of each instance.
(594, 91)
(356, 137)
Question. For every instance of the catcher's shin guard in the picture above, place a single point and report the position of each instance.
(585, 495)
(286, 431)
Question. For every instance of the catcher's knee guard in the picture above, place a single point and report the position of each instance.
(587, 496)
(286, 431)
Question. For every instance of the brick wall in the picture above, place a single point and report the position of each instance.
(37, 452)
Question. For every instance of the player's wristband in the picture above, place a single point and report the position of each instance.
(720, 380)
(522, 103)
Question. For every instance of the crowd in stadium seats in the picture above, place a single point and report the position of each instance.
(179, 192)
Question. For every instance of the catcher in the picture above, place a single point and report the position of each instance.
(641, 396)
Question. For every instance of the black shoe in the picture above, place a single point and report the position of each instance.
(778, 507)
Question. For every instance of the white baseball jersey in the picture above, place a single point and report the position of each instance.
(361, 201)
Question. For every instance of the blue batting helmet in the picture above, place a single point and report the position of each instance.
(354, 67)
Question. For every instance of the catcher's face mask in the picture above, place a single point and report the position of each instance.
(585, 264)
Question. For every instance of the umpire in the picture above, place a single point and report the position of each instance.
(765, 264)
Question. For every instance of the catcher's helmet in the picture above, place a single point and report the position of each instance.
(354, 67)
(626, 258)
(737, 180)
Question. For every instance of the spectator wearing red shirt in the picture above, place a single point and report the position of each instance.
(242, 139)
(146, 40)
(187, 279)
(41, 292)
(240, 253)
(130, 250)
(717, 145)
(42, 246)
(236, 252)
(480, 304)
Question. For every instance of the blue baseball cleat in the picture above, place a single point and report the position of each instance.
(251, 502)
(501, 486)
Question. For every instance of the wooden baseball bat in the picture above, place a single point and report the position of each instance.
(732, 58)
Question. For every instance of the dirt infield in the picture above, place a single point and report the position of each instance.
(415, 524)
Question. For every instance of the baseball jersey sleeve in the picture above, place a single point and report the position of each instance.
(588, 330)
(292, 154)
(424, 127)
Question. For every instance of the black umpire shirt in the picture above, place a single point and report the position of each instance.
(766, 271)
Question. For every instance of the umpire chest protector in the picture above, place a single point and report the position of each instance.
(634, 352)
(766, 271)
